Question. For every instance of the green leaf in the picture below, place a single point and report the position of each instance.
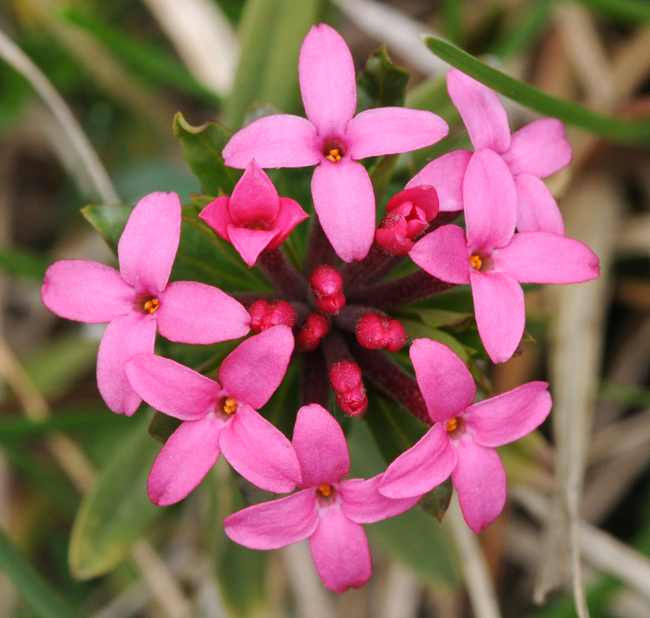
(381, 83)
(633, 11)
(41, 596)
(117, 511)
(163, 426)
(632, 131)
(436, 502)
(109, 221)
(19, 262)
(202, 147)
(441, 317)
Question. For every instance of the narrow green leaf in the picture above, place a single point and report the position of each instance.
(381, 83)
(632, 131)
(526, 31)
(18, 262)
(36, 592)
(117, 511)
(633, 11)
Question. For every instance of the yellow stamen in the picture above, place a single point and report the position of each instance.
(325, 489)
(333, 155)
(476, 262)
(151, 305)
(452, 424)
(230, 405)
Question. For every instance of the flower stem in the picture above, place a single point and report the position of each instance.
(286, 279)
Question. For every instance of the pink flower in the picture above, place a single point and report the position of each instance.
(462, 440)
(535, 151)
(494, 259)
(137, 300)
(219, 417)
(254, 218)
(334, 139)
(328, 510)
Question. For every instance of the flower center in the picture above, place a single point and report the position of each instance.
(455, 427)
(325, 493)
(476, 262)
(333, 150)
(480, 261)
(147, 304)
(229, 405)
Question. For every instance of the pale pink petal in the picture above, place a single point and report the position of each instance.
(422, 467)
(340, 551)
(443, 254)
(490, 200)
(362, 503)
(320, 446)
(540, 148)
(172, 388)
(482, 112)
(281, 140)
(444, 380)
(275, 524)
(254, 197)
(446, 174)
(124, 336)
(509, 416)
(539, 257)
(250, 243)
(537, 210)
(345, 204)
(480, 480)
(255, 368)
(217, 215)
(148, 245)
(391, 130)
(500, 313)
(185, 459)
(260, 452)
(86, 291)
(327, 80)
(291, 214)
(193, 312)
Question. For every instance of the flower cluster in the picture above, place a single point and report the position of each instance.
(333, 316)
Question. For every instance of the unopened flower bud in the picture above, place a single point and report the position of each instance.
(326, 284)
(316, 326)
(375, 332)
(346, 380)
(265, 314)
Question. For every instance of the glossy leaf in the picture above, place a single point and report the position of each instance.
(109, 221)
(381, 83)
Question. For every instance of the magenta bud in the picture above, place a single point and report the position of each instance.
(316, 326)
(265, 314)
(346, 380)
(375, 332)
(326, 284)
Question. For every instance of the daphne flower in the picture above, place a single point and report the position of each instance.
(462, 440)
(219, 417)
(494, 259)
(534, 152)
(254, 218)
(328, 511)
(137, 299)
(333, 139)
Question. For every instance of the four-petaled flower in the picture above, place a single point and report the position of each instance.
(137, 299)
(463, 439)
(328, 510)
(334, 139)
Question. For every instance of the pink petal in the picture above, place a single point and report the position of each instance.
(391, 130)
(484, 116)
(281, 140)
(490, 200)
(327, 80)
(193, 312)
(537, 210)
(500, 313)
(320, 446)
(291, 214)
(443, 254)
(424, 466)
(446, 174)
(345, 204)
(480, 480)
(185, 459)
(540, 148)
(172, 388)
(217, 215)
(539, 257)
(250, 243)
(255, 368)
(362, 503)
(254, 197)
(445, 382)
(340, 551)
(509, 416)
(424, 197)
(279, 523)
(148, 246)
(124, 337)
(260, 452)
(86, 291)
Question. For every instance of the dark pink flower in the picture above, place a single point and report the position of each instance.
(463, 439)
(137, 299)
(328, 510)
(254, 218)
(334, 140)
(219, 417)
